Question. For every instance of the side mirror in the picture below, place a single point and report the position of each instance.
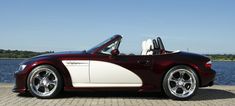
(115, 52)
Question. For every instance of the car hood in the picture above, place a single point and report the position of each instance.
(63, 53)
(54, 55)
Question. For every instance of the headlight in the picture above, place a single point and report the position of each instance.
(21, 67)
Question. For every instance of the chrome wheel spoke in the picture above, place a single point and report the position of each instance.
(174, 89)
(189, 81)
(38, 77)
(52, 82)
(47, 90)
(174, 80)
(37, 86)
(48, 73)
(182, 74)
(185, 91)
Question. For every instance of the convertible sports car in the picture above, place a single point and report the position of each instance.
(178, 74)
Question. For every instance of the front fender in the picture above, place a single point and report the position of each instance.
(56, 64)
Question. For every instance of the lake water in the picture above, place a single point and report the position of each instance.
(225, 71)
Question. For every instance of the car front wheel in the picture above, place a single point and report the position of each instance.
(44, 81)
(180, 82)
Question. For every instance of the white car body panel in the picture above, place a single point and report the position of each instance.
(78, 70)
(109, 73)
(91, 73)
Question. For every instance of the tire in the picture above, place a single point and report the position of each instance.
(180, 83)
(44, 82)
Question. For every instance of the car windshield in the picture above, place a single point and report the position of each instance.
(99, 45)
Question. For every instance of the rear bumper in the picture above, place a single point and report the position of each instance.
(207, 78)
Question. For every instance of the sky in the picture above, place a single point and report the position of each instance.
(200, 26)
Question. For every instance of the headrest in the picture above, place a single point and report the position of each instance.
(144, 49)
(149, 44)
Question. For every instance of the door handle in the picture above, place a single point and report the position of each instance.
(143, 62)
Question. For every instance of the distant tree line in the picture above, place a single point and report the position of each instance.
(20, 54)
(221, 57)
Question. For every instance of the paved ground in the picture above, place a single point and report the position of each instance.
(210, 96)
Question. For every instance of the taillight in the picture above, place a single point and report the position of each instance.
(208, 64)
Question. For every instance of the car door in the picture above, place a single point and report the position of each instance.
(121, 71)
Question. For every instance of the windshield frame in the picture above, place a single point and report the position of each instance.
(103, 44)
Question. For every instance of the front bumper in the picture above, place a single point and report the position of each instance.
(20, 82)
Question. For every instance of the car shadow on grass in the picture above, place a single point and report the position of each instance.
(202, 94)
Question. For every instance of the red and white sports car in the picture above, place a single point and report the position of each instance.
(177, 74)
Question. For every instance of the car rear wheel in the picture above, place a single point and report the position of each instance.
(44, 82)
(180, 83)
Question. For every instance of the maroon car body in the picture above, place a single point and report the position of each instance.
(151, 69)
